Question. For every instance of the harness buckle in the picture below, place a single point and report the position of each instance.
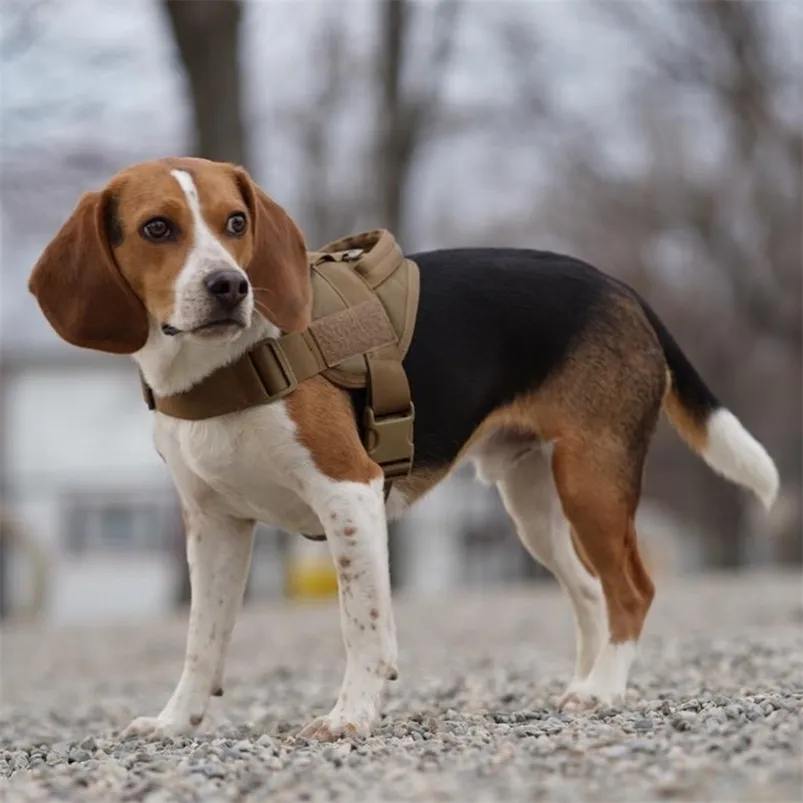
(389, 441)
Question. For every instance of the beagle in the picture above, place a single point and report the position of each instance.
(545, 372)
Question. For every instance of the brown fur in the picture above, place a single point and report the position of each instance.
(146, 191)
(600, 411)
(98, 277)
(79, 286)
(325, 421)
(581, 554)
(278, 268)
(693, 430)
(419, 481)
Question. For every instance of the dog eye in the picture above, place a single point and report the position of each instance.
(157, 229)
(236, 224)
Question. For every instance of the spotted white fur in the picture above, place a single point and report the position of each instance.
(218, 552)
(226, 484)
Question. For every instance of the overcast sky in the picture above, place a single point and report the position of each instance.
(86, 79)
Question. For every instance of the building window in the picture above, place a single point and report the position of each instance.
(119, 522)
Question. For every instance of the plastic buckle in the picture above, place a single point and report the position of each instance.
(387, 437)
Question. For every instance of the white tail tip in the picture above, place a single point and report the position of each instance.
(735, 454)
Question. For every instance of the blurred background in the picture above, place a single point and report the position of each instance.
(660, 141)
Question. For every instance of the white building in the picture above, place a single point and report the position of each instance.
(81, 475)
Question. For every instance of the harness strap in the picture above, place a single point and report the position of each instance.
(261, 376)
(273, 369)
(376, 254)
(388, 418)
(364, 316)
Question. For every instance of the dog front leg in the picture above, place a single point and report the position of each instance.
(353, 515)
(218, 554)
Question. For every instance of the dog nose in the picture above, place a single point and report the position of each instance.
(229, 287)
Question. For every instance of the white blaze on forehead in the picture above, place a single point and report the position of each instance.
(206, 254)
(188, 185)
(203, 239)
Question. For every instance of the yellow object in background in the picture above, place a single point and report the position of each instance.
(309, 573)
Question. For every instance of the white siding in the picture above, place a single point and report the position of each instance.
(77, 428)
(85, 428)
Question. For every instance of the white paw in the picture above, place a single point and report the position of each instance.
(338, 725)
(585, 696)
(155, 728)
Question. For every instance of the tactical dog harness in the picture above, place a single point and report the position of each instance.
(365, 298)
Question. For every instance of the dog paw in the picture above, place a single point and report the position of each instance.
(582, 697)
(577, 701)
(155, 728)
(335, 726)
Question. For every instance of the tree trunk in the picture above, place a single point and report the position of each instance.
(723, 519)
(207, 35)
(5, 496)
(394, 140)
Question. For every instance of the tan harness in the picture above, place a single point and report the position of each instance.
(365, 299)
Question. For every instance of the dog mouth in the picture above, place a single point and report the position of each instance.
(226, 328)
(223, 323)
(209, 328)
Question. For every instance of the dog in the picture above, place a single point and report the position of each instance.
(545, 372)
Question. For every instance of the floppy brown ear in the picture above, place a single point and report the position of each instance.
(278, 269)
(79, 287)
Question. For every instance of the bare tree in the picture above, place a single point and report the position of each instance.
(207, 33)
(406, 115)
(404, 76)
(717, 250)
(330, 208)
(749, 216)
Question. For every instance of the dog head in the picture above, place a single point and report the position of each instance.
(173, 248)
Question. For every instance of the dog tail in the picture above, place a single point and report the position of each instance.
(710, 429)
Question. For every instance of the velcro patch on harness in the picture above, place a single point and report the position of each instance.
(356, 330)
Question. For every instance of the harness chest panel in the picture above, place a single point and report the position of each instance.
(365, 299)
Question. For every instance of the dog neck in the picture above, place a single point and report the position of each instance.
(173, 364)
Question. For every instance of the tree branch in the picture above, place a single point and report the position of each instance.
(406, 118)
(207, 36)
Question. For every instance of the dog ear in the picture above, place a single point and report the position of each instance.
(79, 287)
(278, 269)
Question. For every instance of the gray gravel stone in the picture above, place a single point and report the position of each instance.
(715, 709)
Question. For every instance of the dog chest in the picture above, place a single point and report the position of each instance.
(251, 462)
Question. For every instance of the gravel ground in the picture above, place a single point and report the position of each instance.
(715, 708)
